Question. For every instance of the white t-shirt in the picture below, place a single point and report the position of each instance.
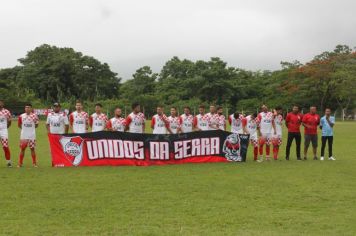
(57, 122)
(79, 121)
(117, 124)
(135, 122)
(251, 125)
(174, 124)
(265, 120)
(98, 122)
(159, 124)
(278, 122)
(201, 122)
(28, 125)
(186, 123)
(5, 115)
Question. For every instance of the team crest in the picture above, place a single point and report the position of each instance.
(232, 148)
(73, 149)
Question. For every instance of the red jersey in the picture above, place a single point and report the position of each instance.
(294, 121)
(313, 121)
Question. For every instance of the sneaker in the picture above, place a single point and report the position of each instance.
(322, 158)
(315, 158)
(19, 166)
(287, 158)
(332, 159)
(9, 165)
(305, 158)
(298, 159)
(35, 165)
(260, 160)
(268, 159)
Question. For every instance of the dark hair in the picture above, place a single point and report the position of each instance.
(296, 106)
(327, 108)
(99, 105)
(187, 108)
(174, 108)
(159, 106)
(312, 106)
(219, 107)
(254, 114)
(202, 106)
(278, 108)
(236, 115)
(28, 105)
(78, 101)
(134, 105)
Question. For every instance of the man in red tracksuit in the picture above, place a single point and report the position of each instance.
(293, 122)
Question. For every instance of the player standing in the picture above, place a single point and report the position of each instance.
(135, 121)
(173, 120)
(277, 133)
(200, 121)
(117, 123)
(160, 123)
(57, 121)
(28, 122)
(78, 119)
(265, 125)
(5, 123)
(311, 122)
(293, 122)
(186, 121)
(212, 118)
(98, 120)
(221, 124)
(238, 123)
(327, 123)
(251, 124)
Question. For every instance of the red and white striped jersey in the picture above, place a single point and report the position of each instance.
(201, 122)
(79, 121)
(159, 124)
(5, 116)
(117, 124)
(237, 124)
(98, 122)
(221, 122)
(213, 120)
(174, 124)
(186, 123)
(28, 124)
(278, 122)
(136, 122)
(251, 125)
(265, 120)
(57, 122)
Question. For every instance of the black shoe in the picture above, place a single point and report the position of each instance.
(305, 158)
(287, 158)
(299, 159)
(315, 158)
(9, 165)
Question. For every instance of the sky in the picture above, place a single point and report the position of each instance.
(129, 34)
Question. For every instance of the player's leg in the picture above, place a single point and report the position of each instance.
(330, 146)
(32, 145)
(277, 141)
(5, 145)
(314, 140)
(254, 142)
(323, 144)
(23, 146)
(268, 146)
(289, 144)
(261, 141)
(307, 139)
(298, 141)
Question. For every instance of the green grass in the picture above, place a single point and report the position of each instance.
(269, 198)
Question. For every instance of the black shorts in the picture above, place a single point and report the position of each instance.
(313, 138)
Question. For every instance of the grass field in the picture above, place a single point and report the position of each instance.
(269, 198)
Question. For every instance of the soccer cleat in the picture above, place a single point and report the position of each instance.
(9, 165)
(315, 158)
(305, 158)
(19, 166)
(299, 159)
(35, 165)
(267, 159)
(287, 158)
(322, 158)
(332, 159)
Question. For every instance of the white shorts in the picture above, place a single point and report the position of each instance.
(267, 138)
(4, 134)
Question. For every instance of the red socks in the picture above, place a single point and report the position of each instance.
(267, 150)
(7, 153)
(21, 159)
(275, 152)
(255, 152)
(33, 155)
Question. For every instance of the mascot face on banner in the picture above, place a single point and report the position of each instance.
(231, 147)
(73, 149)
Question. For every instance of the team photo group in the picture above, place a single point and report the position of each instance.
(264, 128)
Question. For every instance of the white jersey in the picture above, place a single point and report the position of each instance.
(57, 122)
(159, 124)
(213, 120)
(265, 120)
(98, 122)
(201, 122)
(135, 122)
(237, 124)
(278, 122)
(174, 124)
(186, 123)
(28, 126)
(251, 126)
(117, 124)
(79, 121)
(5, 115)
(221, 122)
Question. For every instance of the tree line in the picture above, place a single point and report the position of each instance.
(49, 73)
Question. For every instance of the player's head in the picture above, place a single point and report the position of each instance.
(173, 111)
(212, 109)
(78, 105)
(219, 110)
(186, 110)
(136, 107)
(312, 109)
(201, 109)
(56, 107)
(118, 112)
(295, 109)
(279, 110)
(254, 115)
(327, 111)
(159, 110)
(28, 108)
(98, 108)
(1, 104)
(236, 115)
(264, 108)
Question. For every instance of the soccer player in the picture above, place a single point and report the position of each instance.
(238, 123)
(277, 133)
(117, 123)
(57, 121)
(200, 121)
(311, 122)
(265, 125)
(327, 123)
(251, 128)
(293, 122)
(98, 120)
(173, 120)
(221, 119)
(28, 122)
(5, 123)
(212, 118)
(135, 121)
(186, 121)
(160, 123)
(78, 119)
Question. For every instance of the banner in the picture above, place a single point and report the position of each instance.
(121, 148)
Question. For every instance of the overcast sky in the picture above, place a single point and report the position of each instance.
(129, 34)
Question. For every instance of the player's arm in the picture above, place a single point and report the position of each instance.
(274, 127)
(143, 125)
(287, 120)
(127, 123)
(19, 122)
(244, 125)
(66, 124)
(153, 122)
(47, 124)
(304, 120)
(259, 124)
(9, 120)
(195, 124)
(36, 121)
(331, 121)
(71, 120)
